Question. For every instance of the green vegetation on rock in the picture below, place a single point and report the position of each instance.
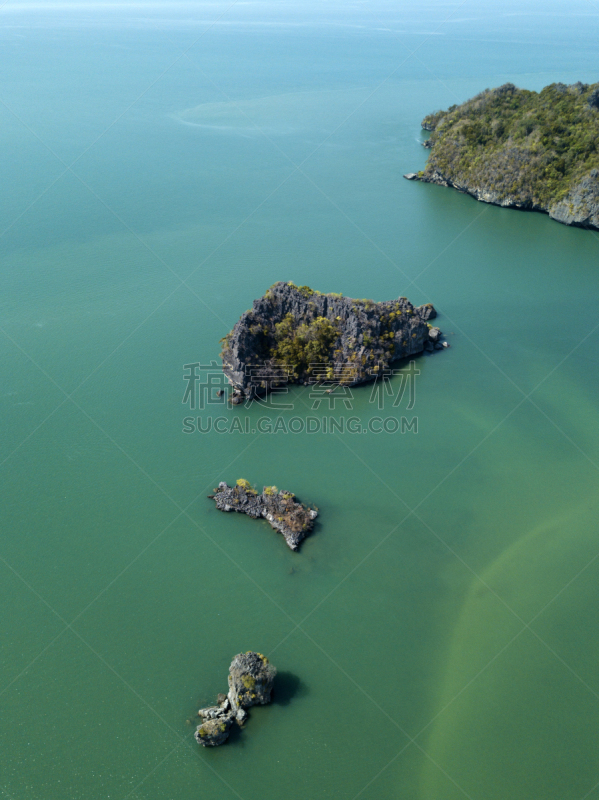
(246, 486)
(300, 335)
(520, 148)
(299, 346)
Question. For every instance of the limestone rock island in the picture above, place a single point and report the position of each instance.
(251, 678)
(512, 147)
(280, 508)
(294, 334)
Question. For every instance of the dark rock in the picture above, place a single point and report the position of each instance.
(251, 677)
(438, 346)
(593, 99)
(280, 508)
(411, 176)
(507, 88)
(578, 87)
(428, 347)
(296, 335)
(221, 699)
(214, 731)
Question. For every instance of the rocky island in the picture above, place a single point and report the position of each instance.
(294, 334)
(251, 677)
(521, 149)
(278, 507)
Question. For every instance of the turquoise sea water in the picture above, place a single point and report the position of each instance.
(436, 636)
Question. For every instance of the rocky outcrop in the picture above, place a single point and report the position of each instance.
(215, 731)
(519, 149)
(278, 507)
(251, 678)
(593, 99)
(297, 335)
(484, 193)
(580, 207)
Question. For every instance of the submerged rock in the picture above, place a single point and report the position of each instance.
(297, 335)
(251, 677)
(280, 508)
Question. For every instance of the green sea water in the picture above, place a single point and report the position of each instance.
(436, 636)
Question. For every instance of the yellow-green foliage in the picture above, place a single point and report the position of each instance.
(526, 145)
(298, 346)
(270, 490)
(248, 681)
(349, 374)
(246, 486)
(224, 342)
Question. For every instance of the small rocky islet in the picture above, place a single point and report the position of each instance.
(251, 678)
(521, 149)
(294, 334)
(279, 508)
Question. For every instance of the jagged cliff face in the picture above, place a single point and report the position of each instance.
(521, 149)
(296, 335)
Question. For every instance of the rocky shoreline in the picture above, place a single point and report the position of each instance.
(279, 508)
(512, 148)
(580, 209)
(294, 334)
(251, 678)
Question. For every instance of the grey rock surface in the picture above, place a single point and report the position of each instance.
(251, 677)
(367, 334)
(580, 207)
(279, 508)
(214, 732)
